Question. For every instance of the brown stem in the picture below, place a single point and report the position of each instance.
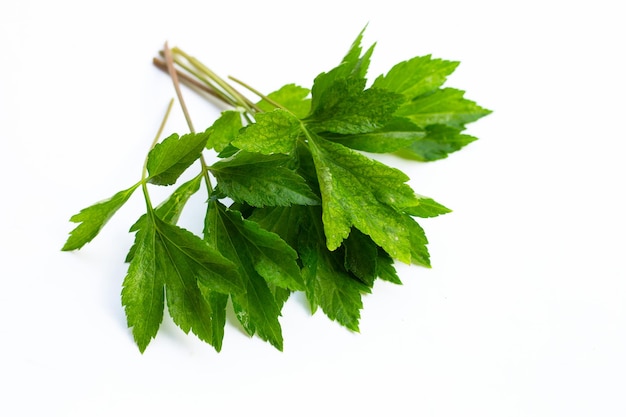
(169, 62)
(188, 80)
(174, 75)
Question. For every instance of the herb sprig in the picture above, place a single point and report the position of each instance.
(292, 204)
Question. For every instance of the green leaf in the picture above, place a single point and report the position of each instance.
(427, 207)
(419, 251)
(353, 66)
(142, 290)
(217, 303)
(409, 141)
(263, 259)
(357, 191)
(437, 143)
(224, 130)
(262, 180)
(346, 108)
(281, 295)
(185, 302)
(273, 132)
(193, 257)
(170, 158)
(302, 228)
(328, 284)
(291, 97)
(170, 209)
(442, 107)
(385, 268)
(417, 76)
(338, 295)
(397, 134)
(361, 254)
(284, 221)
(167, 255)
(93, 218)
(270, 256)
(186, 262)
(379, 141)
(228, 151)
(309, 211)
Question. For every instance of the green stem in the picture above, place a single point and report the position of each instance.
(197, 83)
(226, 87)
(208, 82)
(258, 93)
(170, 66)
(144, 171)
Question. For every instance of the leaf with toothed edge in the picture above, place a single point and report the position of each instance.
(298, 203)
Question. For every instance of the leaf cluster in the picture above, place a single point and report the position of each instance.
(296, 206)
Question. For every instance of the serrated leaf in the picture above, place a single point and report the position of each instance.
(217, 303)
(397, 134)
(443, 107)
(224, 130)
(193, 257)
(361, 254)
(385, 268)
(409, 141)
(328, 284)
(419, 251)
(263, 259)
(284, 221)
(338, 295)
(273, 132)
(309, 213)
(228, 151)
(379, 141)
(302, 228)
(262, 180)
(291, 97)
(281, 295)
(168, 256)
(185, 302)
(353, 66)
(143, 289)
(437, 143)
(186, 260)
(170, 158)
(360, 192)
(269, 255)
(170, 209)
(346, 108)
(93, 218)
(427, 207)
(417, 76)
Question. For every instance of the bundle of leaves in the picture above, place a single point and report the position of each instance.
(292, 204)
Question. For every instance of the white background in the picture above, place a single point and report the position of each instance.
(523, 312)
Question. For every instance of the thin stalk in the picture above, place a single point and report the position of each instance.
(170, 66)
(174, 76)
(201, 78)
(144, 171)
(239, 98)
(258, 93)
(192, 82)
